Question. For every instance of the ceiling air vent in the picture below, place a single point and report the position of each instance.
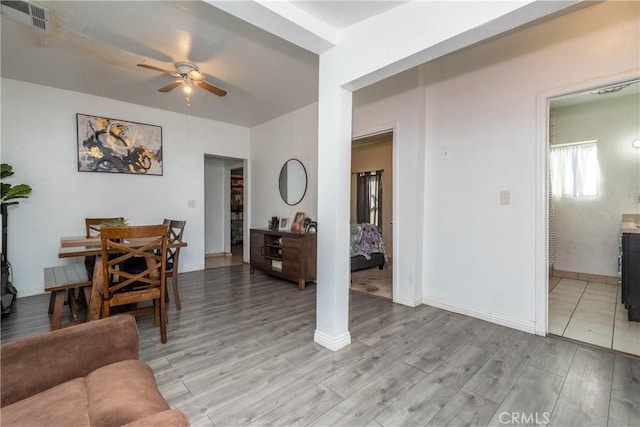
(26, 12)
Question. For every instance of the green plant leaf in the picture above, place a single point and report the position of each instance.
(5, 189)
(20, 191)
(5, 170)
(117, 223)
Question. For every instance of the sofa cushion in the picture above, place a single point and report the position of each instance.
(122, 392)
(171, 418)
(63, 405)
(34, 364)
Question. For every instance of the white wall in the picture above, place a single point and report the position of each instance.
(415, 32)
(479, 256)
(394, 103)
(588, 228)
(294, 135)
(216, 194)
(39, 140)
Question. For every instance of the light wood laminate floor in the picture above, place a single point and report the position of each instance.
(241, 352)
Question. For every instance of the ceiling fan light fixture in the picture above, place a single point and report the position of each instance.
(184, 68)
(188, 76)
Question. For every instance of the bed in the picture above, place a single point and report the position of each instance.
(367, 248)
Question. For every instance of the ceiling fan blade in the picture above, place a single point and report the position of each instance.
(151, 67)
(211, 88)
(170, 86)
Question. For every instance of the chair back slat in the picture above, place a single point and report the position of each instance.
(176, 231)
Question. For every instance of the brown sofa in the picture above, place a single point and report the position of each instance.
(84, 375)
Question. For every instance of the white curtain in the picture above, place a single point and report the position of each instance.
(575, 171)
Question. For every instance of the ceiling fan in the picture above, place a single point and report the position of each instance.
(188, 76)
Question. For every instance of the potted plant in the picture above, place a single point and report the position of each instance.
(9, 194)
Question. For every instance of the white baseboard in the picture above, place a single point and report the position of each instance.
(217, 254)
(406, 301)
(331, 342)
(500, 319)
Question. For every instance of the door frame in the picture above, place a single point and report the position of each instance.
(543, 101)
(383, 128)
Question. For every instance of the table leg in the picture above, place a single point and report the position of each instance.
(58, 304)
(85, 293)
(95, 302)
(73, 304)
(51, 298)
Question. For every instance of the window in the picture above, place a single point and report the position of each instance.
(575, 171)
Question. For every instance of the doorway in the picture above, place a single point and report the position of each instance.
(224, 211)
(372, 214)
(593, 180)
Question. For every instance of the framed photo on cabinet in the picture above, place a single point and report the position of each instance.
(298, 221)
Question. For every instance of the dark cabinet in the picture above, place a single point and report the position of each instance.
(288, 255)
(630, 270)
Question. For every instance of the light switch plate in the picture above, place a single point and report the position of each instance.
(505, 197)
(191, 204)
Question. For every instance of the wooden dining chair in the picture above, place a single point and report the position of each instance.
(121, 287)
(176, 230)
(93, 225)
(92, 229)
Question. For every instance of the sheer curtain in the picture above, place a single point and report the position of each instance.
(369, 198)
(575, 171)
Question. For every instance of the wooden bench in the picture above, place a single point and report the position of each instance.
(64, 280)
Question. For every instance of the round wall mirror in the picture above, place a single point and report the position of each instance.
(293, 182)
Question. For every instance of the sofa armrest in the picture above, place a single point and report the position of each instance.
(34, 364)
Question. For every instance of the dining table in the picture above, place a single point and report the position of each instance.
(80, 246)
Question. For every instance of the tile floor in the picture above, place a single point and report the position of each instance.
(591, 312)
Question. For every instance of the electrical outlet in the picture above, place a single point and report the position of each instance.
(505, 197)
(637, 198)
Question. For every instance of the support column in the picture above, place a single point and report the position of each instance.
(334, 171)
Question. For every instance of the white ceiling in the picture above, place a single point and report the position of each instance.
(94, 46)
(343, 13)
(631, 88)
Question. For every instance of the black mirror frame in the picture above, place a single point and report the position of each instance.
(306, 182)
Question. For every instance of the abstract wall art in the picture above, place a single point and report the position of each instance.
(118, 146)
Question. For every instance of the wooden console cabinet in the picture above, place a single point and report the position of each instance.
(290, 256)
